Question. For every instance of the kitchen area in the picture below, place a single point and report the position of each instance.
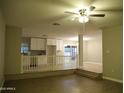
(43, 54)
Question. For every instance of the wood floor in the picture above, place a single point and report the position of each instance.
(63, 84)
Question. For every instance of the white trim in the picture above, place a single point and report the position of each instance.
(112, 79)
(21, 64)
(2, 85)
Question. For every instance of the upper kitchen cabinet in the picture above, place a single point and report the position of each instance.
(51, 42)
(38, 44)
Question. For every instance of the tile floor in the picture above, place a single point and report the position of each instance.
(63, 84)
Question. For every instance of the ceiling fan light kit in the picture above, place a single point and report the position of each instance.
(83, 19)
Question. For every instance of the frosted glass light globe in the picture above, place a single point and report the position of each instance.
(83, 19)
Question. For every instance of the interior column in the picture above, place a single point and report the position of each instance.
(80, 40)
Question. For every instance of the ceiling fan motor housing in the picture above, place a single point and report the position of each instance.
(82, 12)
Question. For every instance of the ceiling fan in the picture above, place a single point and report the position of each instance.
(84, 14)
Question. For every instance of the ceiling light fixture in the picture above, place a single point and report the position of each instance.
(83, 19)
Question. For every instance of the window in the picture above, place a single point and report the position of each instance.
(24, 48)
(70, 51)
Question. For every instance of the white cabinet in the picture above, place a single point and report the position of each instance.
(51, 41)
(33, 44)
(38, 44)
(59, 45)
(41, 44)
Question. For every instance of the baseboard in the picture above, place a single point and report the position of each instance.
(38, 74)
(2, 85)
(112, 79)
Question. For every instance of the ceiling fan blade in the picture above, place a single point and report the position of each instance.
(91, 8)
(97, 15)
(71, 12)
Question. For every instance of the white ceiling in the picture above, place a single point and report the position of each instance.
(37, 16)
(60, 32)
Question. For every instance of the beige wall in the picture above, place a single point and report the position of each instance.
(12, 52)
(92, 48)
(85, 51)
(112, 52)
(2, 38)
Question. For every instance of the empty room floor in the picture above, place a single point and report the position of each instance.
(64, 84)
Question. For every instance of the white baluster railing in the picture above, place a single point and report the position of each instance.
(47, 63)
